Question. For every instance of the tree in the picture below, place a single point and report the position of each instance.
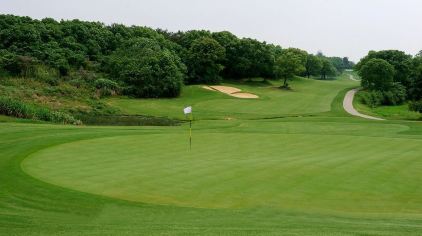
(287, 65)
(249, 58)
(149, 70)
(416, 106)
(401, 62)
(204, 61)
(415, 91)
(377, 74)
(327, 69)
(338, 63)
(313, 65)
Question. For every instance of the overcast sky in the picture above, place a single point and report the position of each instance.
(336, 27)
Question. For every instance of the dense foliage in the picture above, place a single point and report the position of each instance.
(391, 77)
(143, 61)
(377, 74)
(105, 60)
(147, 69)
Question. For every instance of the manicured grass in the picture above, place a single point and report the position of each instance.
(324, 173)
(321, 173)
(307, 96)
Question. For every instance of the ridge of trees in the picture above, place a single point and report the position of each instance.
(144, 62)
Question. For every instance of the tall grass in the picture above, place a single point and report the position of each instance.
(16, 108)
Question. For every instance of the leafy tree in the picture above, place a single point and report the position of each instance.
(287, 65)
(204, 61)
(338, 63)
(415, 91)
(401, 62)
(377, 74)
(313, 65)
(327, 69)
(347, 64)
(149, 70)
(250, 58)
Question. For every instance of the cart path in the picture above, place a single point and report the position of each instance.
(348, 106)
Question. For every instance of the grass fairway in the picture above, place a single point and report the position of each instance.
(306, 97)
(317, 171)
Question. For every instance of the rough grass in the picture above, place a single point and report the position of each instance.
(325, 174)
(399, 112)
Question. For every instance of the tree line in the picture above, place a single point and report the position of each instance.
(143, 62)
(391, 77)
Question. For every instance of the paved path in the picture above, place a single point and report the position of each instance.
(348, 106)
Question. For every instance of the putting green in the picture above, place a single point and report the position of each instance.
(243, 170)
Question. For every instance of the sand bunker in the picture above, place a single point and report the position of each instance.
(226, 89)
(232, 91)
(244, 95)
(208, 88)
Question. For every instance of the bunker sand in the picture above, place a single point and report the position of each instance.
(231, 91)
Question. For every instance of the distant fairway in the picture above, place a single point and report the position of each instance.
(307, 96)
(308, 168)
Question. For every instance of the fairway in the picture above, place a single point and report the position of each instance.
(308, 96)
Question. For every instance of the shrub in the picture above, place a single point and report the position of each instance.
(46, 74)
(372, 99)
(11, 107)
(78, 83)
(17, 64)
(61, 117)
(14, 108)
(416, 106)
(106, 84)
(106, 87)
(396, 95)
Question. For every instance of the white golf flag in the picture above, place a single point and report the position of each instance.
(187, 110)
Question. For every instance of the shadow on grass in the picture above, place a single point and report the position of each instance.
(127, 120)
(256, 82)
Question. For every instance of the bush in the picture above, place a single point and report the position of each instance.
(106, 84)
(106, 87)
(372, 99)
(416, 106)
(16, 64)
(46, 74)
(11, 107)
(14, 108)
(396, 95)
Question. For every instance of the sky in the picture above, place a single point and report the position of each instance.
(336, 27)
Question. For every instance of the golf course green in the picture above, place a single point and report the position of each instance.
(289, 163)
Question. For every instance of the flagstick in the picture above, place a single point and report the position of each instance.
(190, 131)
(190, 134)
(188, 110)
